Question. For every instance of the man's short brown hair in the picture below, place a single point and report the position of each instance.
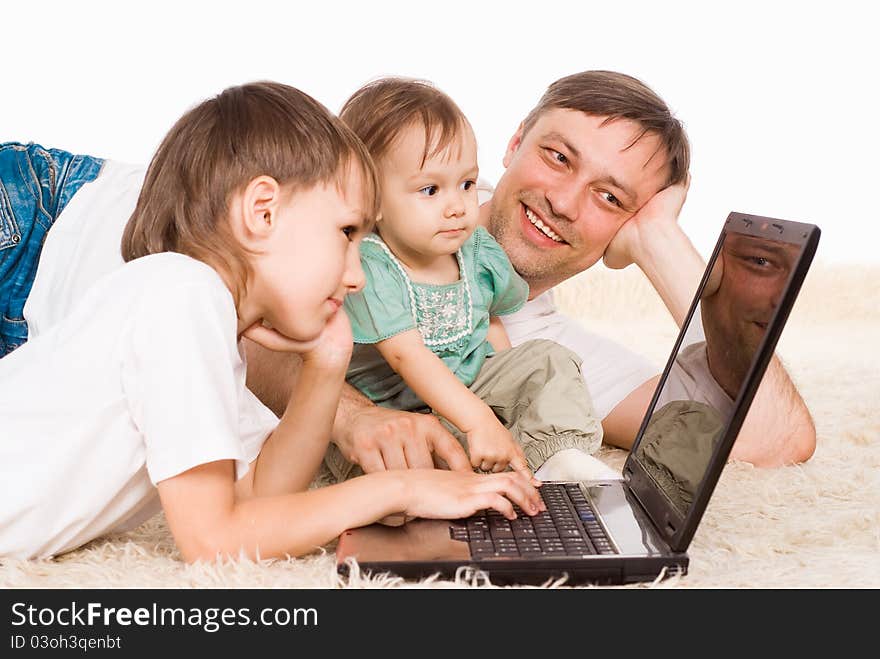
(619, 96)
(221, 145)
(380, 110)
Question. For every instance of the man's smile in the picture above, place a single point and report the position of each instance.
(541, 226)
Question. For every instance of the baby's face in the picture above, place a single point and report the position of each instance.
(428, 210)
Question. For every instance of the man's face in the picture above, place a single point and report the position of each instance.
(570, 184)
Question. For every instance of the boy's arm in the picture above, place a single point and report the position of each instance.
(207, 520)
(778, 428)
(376, 438)
(497, 335)
(291, 455)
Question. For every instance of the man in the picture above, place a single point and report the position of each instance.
(599, 169)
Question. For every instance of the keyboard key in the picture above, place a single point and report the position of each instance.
(458, 534)
(502, 533)
(482, 548)
(547, 534)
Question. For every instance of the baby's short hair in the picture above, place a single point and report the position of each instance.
(380, 110)
(221, 145)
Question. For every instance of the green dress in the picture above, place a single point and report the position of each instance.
(453, 319)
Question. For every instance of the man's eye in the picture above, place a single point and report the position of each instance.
(558, 157)
(759, 261)
(350, 232)
(611, 199)
(468, 185)
(429, 190)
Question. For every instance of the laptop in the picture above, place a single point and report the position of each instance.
(632, 529)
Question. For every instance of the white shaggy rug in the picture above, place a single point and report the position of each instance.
(816, 525)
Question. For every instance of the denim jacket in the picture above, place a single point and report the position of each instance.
(35, 185)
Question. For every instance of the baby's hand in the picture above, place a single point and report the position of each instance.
(492, 449)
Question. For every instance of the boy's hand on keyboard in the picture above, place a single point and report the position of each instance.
(439, 494)
(493, 449)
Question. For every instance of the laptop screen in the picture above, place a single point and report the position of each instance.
(745, 283)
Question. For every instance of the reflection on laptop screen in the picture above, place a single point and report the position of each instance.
(738, 301)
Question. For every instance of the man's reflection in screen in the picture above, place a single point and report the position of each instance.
(743, 291)
(735, 316)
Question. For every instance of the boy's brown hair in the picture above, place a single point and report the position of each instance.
(221, 145)
(619, 96)
(381, 109)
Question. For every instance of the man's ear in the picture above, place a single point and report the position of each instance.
(512, 146)
(257, 208)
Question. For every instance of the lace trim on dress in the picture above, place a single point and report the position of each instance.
(443, 317)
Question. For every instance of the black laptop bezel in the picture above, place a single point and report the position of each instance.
(676, 529)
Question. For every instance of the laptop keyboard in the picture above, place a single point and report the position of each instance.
(568, 527)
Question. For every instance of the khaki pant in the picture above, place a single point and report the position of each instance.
(677, 447)
(537, 392)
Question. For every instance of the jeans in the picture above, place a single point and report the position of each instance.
(35, 185)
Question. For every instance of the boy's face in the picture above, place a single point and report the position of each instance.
(313, 259)
(428, 211)
(570, 184)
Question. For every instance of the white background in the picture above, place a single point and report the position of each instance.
(780, 99)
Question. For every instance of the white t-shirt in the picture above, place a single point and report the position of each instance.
(142, 380)
(83, 244)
